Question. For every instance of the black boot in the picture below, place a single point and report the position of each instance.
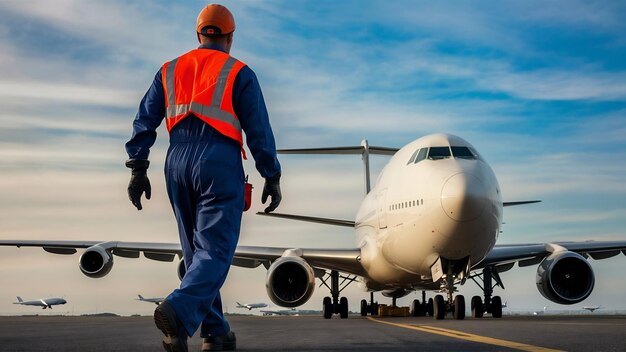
(175, 339)
(227, 342)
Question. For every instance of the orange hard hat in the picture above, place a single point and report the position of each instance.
(215, 19)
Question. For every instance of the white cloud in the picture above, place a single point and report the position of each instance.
(44, 92)
(554, 84)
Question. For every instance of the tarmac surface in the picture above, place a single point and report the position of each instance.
(313, 333)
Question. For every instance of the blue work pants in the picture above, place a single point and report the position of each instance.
(204, 177)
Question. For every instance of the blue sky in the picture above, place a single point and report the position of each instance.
(539, 87)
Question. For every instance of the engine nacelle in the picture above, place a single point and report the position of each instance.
(96, 262)
(182, 269)
(565, 278)
(290, 281)
(396, 293)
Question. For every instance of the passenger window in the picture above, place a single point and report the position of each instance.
(438, 153)
(421, 155)
(412, 160)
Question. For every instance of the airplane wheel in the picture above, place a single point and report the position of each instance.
(496, 307)
(343, 307)
(439, 307)
(416, 308)
(477, 307)
(430, 307)
(363, 308)
(328, 307)
(459, 307)
(374, 309)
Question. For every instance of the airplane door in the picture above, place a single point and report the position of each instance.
(382, 211)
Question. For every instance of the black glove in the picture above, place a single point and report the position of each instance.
(139, 182)
(272, 189)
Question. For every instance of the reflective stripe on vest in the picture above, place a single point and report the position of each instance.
(219, 114)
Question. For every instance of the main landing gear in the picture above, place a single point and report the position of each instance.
(424, 308)
(492, 305)
(371, 307)
(335, 305)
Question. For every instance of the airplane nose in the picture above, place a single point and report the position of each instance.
(463, 197)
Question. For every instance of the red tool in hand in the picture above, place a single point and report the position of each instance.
(247, 194)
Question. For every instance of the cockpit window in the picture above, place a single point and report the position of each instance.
(421, 155)
(413, 157)
(462, 153)
(437, 153)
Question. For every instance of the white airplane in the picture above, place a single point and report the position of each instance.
(156, 301)
(43, 303)
(250, 306)
(592, 308)
(291, 311)
(430, 223)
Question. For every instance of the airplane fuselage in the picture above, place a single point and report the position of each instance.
(424, 208)
(44, 303)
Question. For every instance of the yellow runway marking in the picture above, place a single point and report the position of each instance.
(468, 337)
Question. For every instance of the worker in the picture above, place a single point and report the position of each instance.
(207, 98)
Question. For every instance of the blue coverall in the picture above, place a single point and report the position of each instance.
(205, 183)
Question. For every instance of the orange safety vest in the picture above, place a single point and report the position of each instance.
(201, 82)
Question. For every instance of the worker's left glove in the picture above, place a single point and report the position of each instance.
(272, 189)
(139, 182)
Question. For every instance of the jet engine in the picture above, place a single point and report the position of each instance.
(182, 269)
(290, 281)
(565, 278)
(96, 262)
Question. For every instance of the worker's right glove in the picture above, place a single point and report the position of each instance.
(139, 182)
(272, 189)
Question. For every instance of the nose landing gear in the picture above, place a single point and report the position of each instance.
(454, 270)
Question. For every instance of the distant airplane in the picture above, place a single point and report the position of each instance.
(43, 303)
(541, 312)
(156, 301)
(592, 308)
(291, 311)
(249, 306)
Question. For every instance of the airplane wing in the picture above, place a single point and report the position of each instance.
(327, 221)
(151, 250)
(504, 257)
(344, 260)
(510, 204)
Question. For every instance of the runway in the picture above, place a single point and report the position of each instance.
(313, 333)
